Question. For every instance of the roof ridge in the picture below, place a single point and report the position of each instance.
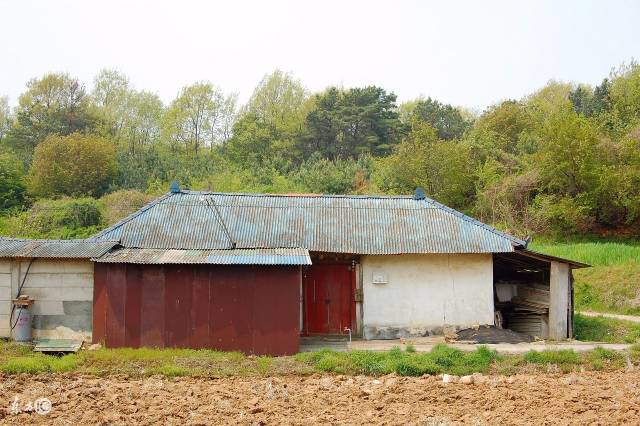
(311, 195)
(132, 216)
(475, 222)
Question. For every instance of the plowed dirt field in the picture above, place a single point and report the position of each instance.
(554, 399)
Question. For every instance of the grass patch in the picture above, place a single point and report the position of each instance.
(610, 285)
(601, 358)
(607, 330)
(442, 359)
(14, 359)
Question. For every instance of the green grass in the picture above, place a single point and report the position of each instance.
(17, 359)
(612, 284)
(442, 359)
(608, 330)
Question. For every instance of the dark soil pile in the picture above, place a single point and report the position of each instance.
(493, 335)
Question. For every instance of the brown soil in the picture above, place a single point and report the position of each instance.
(554, 399)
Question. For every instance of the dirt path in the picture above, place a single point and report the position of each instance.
(632, 318)
(554, 399)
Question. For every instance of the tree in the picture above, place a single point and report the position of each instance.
(73, 165)
(109, 98)
(6, 120)
(53, 104)
(12, 189)
(269, 126)
(447, 120)
(505, 123)
(201, 115)
(418, 161)
(346, 124)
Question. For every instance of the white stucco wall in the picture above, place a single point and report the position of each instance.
(63, 293)
(425, 293)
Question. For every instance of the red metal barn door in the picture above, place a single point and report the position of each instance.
(327, 299)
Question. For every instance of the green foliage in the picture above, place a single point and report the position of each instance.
(322, 176)
(59, 219)
(447, 120)
(119, 204)
(12, 188)
(73, 165)
(441, 359)
(417, 162)
(601, 358)
(563, 160)
(560, 357)
(55, 104)
(349, 123)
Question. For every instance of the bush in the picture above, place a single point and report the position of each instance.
(62, 219)
(12, 189)
(120, 204)
(74, 165)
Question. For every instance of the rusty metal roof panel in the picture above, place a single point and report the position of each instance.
(54, 249)
(341, 224)
(277, 256)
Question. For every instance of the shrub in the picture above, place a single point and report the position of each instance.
(120, 204)
(64, 218)
(74, 165)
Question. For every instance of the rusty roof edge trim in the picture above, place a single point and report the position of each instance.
(132, 216)
(548, 257)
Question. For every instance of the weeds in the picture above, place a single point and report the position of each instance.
(15, 359)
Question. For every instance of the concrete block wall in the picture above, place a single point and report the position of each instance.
(63, 293)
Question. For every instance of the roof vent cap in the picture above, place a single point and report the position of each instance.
(175, 187)
(419, 194)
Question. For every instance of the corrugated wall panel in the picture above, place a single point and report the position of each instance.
(200, 306)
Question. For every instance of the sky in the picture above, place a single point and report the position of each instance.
(467, 53)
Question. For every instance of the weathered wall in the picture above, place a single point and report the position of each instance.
(5, 296)
(559, 301)
(254, 309)
(425, 293)
(63, 290)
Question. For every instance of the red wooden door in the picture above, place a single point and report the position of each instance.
(327, 299)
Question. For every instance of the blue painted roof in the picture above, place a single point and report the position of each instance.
(328, 223)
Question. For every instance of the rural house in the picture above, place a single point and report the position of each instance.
(255, 272)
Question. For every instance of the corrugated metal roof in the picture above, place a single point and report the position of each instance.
(340, 224)
(278, 256)
(73, 249)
